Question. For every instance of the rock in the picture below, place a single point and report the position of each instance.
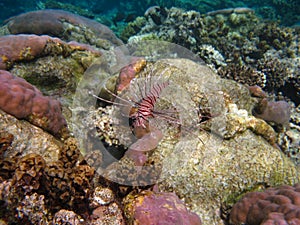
(29, 139)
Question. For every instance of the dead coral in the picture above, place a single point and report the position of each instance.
(33, 208)
(5, 141)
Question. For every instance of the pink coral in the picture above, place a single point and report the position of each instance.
(14, 48)
(24, 101)
(129, 72)
(53, 23)
(149, 208)
(25, 47)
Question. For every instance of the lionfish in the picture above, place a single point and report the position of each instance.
(141, 106)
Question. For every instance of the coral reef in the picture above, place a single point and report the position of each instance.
(28, 172)
(5, 141)
(32, 139)
(243, 74)
(246, 157)
(149, 208)
(66, 217)
(69, 183)
(256, 52)
(209, 149)
(63, 24)
(279, 205)
(104, 206)
(32, 184)
(25, 101)
(51, 4)
(51, 64)
(22, 47)
(33, 208)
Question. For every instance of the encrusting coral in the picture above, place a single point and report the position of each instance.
(23, 47)
(24, 101)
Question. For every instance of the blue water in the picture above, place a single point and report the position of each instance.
(287, 12)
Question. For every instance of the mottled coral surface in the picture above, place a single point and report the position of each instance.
(160, 208)
(53, 23)
(23, 47)
(279, 205)
(24, 101)
(26, 47)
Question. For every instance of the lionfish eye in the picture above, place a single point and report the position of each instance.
(133, 110)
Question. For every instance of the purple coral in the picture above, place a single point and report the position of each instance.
(279, 205)
(52, 22)
(278, 112)
(165, 208)
(24, 101)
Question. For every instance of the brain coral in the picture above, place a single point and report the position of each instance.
(279, 205)
(24, 101)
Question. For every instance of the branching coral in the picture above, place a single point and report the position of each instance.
(243, 74)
